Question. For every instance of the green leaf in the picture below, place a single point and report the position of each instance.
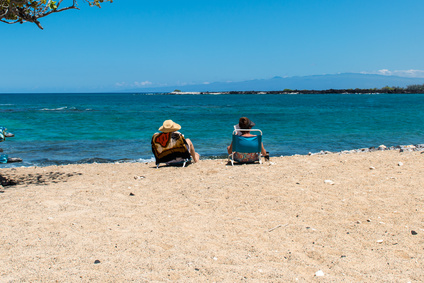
(52, 5)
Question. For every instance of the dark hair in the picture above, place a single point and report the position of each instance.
(245, 123)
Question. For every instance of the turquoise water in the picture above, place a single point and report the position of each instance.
(70, 128)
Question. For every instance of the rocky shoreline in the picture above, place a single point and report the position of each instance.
(400, 148)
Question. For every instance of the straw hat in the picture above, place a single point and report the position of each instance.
(169, 126)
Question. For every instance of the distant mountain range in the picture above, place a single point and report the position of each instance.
(316, 82)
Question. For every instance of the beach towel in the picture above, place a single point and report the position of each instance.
(246, 157)
(168, 147)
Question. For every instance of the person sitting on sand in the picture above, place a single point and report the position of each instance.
(245, 123)
(170, 126)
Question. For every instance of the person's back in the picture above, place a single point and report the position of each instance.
(169, 144)
(245, 124)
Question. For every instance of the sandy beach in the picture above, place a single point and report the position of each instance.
(322, 218)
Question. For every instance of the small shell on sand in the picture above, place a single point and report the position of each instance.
(319, 273)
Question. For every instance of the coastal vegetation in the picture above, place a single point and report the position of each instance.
(21, 11)
(394, 89)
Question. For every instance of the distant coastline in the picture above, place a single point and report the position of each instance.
(411, 89)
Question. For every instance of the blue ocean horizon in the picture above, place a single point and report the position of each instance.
(53, 129)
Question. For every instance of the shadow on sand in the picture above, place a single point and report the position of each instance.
(34, 179)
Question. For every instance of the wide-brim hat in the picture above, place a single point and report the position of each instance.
(169, 126)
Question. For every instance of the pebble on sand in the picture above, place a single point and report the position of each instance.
(319, 273)
(329, 182)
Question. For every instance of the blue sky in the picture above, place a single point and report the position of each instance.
(133, 43)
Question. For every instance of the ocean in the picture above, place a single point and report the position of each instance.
(54, 129)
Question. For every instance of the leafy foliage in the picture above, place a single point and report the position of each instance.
(20, 11)
(415, 88)
(387, 89)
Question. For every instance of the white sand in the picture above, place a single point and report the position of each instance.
(275, 222)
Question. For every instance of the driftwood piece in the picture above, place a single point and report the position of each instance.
(278, 226)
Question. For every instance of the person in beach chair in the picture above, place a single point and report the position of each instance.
(170, 147)
(245, 147)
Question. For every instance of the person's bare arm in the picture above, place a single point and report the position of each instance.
(230, 148)
(263, 151)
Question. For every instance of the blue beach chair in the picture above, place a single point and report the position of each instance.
(246, 149)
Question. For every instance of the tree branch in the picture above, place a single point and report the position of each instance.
(57, 11)
(51, 12)
(20, 11)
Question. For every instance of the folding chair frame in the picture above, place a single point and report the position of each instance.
(235, 135)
